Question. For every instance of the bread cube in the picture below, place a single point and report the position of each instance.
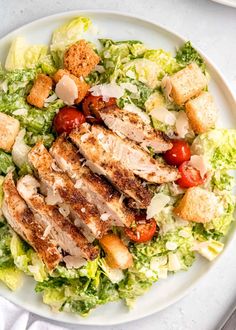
(9, 129)
(187, 83)
(80, 59)
(117, 254)
(201, 112)
(82, 86)
(40, 91)
(197, 205)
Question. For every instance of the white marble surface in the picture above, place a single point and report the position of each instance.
(212, 28)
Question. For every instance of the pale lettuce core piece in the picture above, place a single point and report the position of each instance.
(23, 55)
(66, 35)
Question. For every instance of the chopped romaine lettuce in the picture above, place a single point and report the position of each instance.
(186, 54)
(6, 163)
(163, 59)
(22, 55)
(27, 260)
(9, 273)
(66, 35)
(219, 146)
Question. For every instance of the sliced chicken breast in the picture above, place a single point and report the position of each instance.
(84, 214)
(66, 234)
(95, 189)
(131, 156)
(130, 125)
(102, 162)
(23, 222)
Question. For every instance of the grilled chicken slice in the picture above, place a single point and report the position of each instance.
(95, 189)
(22, 220)
(66, 234)
(131, 156)
(101, 162)
(84, 214)
(130, 125)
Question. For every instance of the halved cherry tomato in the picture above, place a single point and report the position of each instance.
(92, 104)
(67, 119)
(190, 176)
(143, 231)
(179, 153)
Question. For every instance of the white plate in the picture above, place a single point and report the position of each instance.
(165, 292)
(230, 3)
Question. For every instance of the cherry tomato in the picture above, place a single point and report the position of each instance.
(92, 104)
(67, 119)
(190, 177)
(179, 153)
(143, 231)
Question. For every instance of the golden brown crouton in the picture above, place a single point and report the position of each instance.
(9, 129)
(82, 86)
(117, 254)
(197, 205)
(40, 91)
(80, 59)
(187, 83)
(201, 112)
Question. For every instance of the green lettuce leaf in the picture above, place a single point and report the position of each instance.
(219, 146)
(163, 59)
(186, 54)
(6, 162)
(27, 260)
(22, 55)
(66, 35)
(9, 274)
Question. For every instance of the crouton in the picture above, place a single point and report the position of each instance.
(82, 86)
(9, 129)
(40, 91)
(197, 205)
(201, 112)
(117, 254)
(80, 59)
(187, 83)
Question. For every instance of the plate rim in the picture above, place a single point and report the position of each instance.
(210, 63)
(227, 3)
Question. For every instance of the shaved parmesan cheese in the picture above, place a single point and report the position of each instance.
(53, 197)
(67, 90)
(83, 210)
(107, 91)
(20, 149)
(132, 108)
(166, 87)
(200, 163)
(50, 99)
(130, 87)
(47, 231)
(20, 112)
(182, 124)
(78, 184)
(85, 137)
(171, 246)
(158, 202)
(104, 216)
(99, 68)
(130, 74)
(163, 115)
(74, 261)
(173, 262)
(64, 210)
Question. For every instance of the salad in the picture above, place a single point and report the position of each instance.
(113, 173)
